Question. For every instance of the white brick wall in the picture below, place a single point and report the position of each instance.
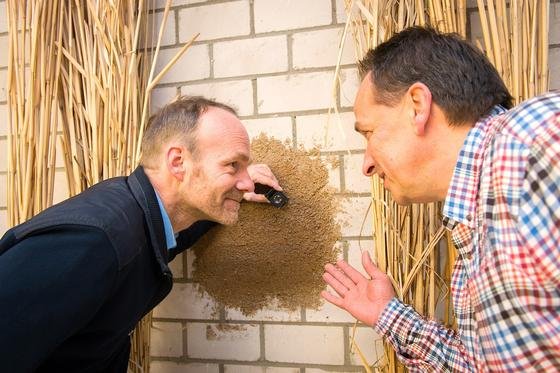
(251, 56)
(176, 266)
(304, 344)
(3, 119)
(162, 96)
(274, 15)
(61, 186)
(294, 92)
(160, 4)
(278, 127)
(365, 338)
(353, 219)
(193, 65)
(237, 93)
(3, 190)
(3, 220)
(355, 181)
(171, 367)
(270, 313)
(215, 21)
(3, 17)
(168, 37)
(554, 27)
(4, 51)
(327, 313)
(329, 133)
(254, 369)
(349, 83)
(167, 339)
(185, 302)
(3, 155)
(3, 85)
(554, 58)
(319, 48)
(223, 341)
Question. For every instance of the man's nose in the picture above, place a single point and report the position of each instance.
(245, 183)
(368, 165)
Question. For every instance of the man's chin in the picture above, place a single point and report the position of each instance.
(228, 218)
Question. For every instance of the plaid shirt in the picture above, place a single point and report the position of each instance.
(503, 208)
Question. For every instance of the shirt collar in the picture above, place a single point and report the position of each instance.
(170, 239)
(460, 203)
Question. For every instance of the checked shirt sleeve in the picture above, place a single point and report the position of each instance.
(421, 345)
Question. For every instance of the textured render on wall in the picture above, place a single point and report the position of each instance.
(275, 64)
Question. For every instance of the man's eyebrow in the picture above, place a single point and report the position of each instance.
(241, 155)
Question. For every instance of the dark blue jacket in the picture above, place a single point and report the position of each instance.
(76, 278)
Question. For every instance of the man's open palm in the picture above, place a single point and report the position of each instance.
(364, 298)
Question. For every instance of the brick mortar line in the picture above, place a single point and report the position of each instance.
(252, 18)
(262, 344)
(256, 35)
(334, 18)
(294, 131)
(341, 168)
(345, 337)
(255, 96)
(337, 324)
(307, 70)
(258, 363)
(211, 62)
(344, 109)
(290, 46)
(293, 113)
(185, 338)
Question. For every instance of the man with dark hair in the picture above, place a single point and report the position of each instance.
(77, 277)
(433, 111)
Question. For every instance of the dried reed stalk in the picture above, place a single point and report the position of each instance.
(408, 243)
(515, 39)
(33, 69)
(89, 74)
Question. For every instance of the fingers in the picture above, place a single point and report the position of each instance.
(332, 299)
(354, 275)
(370, 268)
(261, 173)
(254, 197)
(341, 277)
(335, 284)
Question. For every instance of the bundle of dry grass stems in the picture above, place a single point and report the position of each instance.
(410, 244)
(80, 71)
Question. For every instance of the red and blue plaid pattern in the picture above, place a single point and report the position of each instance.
(503, 208)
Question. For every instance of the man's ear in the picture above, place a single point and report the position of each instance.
(421, 104)
(176, 160)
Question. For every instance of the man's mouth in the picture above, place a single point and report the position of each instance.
(235, 197)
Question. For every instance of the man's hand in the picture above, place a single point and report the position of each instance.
(365, 299)
(261, 173)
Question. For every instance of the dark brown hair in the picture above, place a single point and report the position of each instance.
(461, 79)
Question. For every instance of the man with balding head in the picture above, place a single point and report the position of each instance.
(77, 277)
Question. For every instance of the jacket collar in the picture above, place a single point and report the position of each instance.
(144, 193)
